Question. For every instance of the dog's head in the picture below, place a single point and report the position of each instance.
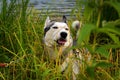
(57, 33)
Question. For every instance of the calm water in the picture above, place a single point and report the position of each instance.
(39, 4)
(58, 7)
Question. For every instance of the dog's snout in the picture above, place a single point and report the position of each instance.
(63, 34)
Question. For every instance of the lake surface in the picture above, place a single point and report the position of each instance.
(56, 7)
(51, 5)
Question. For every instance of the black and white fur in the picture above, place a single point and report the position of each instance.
(57, 36)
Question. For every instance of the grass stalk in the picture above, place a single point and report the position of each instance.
(10, 51)
(1, 76)
(107, 74)
(19, 43)
(98, 23)
(11, 42)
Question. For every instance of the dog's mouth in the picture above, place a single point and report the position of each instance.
(61, 41)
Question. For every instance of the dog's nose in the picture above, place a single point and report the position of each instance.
(63, 34)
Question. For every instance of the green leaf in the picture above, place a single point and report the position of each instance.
(90, 48)
(90, 6)
(114, 25)
(109, 24)
(104, 65)
(91, 72)
(85, 33)
(103, 51)
(111, 30)
(114, 38)
(109, 46)
(46, 72)
(116, 5)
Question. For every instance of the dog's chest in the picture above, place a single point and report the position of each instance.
(57, 53)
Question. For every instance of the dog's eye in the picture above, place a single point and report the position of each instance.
(55, 27)
(66, 29)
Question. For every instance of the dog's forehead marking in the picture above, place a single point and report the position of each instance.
(48, 27)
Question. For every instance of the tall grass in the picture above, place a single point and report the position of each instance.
(101, 38)
(21, 46)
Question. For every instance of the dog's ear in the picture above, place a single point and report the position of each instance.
(47, 21)
(64, 19)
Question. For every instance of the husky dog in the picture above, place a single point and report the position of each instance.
(57, 34)
(57, 37)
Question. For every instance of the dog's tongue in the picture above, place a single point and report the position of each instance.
(62, 42)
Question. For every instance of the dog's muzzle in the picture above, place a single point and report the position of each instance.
(62, 40)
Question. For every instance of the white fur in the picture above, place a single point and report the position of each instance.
(50, 41)
(53, 34)
(47, 21)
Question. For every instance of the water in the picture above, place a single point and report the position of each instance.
(57, 7)
(51, 7)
